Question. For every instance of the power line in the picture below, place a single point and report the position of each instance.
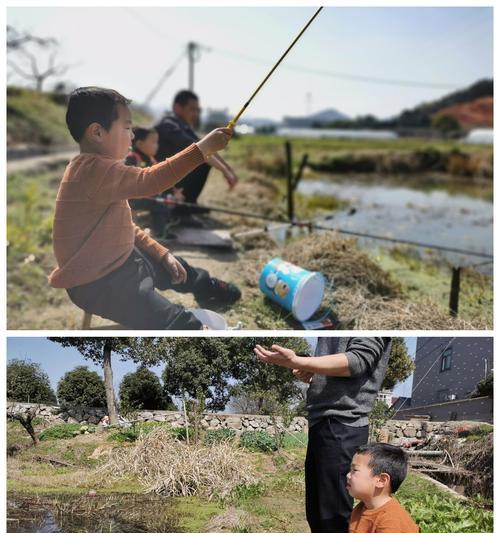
(341, 75)
(164, 78)
(320, 72)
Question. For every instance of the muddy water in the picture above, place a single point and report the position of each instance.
(460, 219)
(77, 514)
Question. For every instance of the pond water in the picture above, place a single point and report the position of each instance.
(82, 514)
(460, 219)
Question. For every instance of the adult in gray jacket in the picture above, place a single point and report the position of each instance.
(344, 377)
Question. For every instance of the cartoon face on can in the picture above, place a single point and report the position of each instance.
(281, 289)
(271, 280)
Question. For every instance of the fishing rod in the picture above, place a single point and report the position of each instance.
(233, 122)
(311, 225)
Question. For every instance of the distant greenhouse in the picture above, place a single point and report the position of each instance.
(480, 136)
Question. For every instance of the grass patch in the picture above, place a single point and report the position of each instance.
(65, 431)
(194, 513)
(310, 206)
(421, 279)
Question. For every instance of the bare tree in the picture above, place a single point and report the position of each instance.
(16, 40)
(26, 420)
(26, 63)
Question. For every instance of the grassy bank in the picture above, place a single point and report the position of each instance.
(274, 503)
(38, 118)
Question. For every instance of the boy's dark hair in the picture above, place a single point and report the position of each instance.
(92, 104)
(183, 97)
(141, 133)
(386, 459)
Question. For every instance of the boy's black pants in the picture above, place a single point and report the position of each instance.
(128, 296)
(330, 449)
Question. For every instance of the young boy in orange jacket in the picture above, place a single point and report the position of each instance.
(107, 264)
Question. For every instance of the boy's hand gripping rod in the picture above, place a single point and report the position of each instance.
(233, 122)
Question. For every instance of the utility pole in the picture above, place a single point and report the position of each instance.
(191, 48)
(193, 52)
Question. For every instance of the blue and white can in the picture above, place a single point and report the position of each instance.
(296, 289)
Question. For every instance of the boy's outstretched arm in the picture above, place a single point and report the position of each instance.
(112, 181)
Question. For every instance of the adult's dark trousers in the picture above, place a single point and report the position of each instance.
(193, 183)
(128, 295)
(161, 214)
(330, 449)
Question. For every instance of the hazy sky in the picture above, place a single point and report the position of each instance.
(129, 48)
(56, 360)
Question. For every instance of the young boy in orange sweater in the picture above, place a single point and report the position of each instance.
(108, 265)
(377, 471)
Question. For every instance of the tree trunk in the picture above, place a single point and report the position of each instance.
(27, 422)
(108, 384)
(31, 430)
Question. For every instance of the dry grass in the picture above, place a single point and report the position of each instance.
(342, 262)
(475, 456)
(169, 467)
(364, 295)
(357, 311)
(229, 521)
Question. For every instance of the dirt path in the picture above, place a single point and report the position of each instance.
(38, 162)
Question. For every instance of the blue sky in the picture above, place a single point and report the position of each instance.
(56, 360)
(128, 49)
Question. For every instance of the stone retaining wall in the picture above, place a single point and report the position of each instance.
(399, 432)
(238, 422)
(396, 432)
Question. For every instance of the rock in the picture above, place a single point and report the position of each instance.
(233, 422)
(410, 432)
(383, 435)
(214, 423)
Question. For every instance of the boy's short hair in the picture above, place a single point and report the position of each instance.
(92, 104)
(183, 97)
(386, 459)
(141, 133)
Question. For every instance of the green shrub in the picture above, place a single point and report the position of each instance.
(124, 435)
(295, 440)
(245, 492)
(217, 436)
(181, 433)
(260, 441)
(65, 431)
(439, 514)
(477, 431)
